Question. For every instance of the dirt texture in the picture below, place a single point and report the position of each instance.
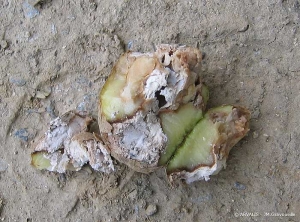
(55, 57)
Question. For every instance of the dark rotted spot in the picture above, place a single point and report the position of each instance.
(161, 99)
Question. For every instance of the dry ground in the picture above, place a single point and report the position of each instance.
(66, 47)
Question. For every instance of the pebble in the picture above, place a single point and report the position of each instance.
(3, 44)
(41, 94)
(129, 45)
(255, 114)
(17, 81)
(136, 210)
(239, 186)
(202, 198)
(34, 2)
(133, 194)
(151, 210)
(86, 104)
(22, 134)
(53, 29)
(8, 52)
(255, 134)
(185, 210)
(267, 137)
(29, 10)
(81, 106)
(51, 110)
(284, 159)
(3, 165)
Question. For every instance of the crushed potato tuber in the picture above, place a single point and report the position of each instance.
(67, 146)
(141, 89)
(151, 115)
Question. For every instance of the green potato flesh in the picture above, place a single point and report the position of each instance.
(196, 148)
(121, 93)
(205, 94)
(39, 161)
(213, 130)
(176, 125)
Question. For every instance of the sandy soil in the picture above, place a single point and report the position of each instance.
(67, 48)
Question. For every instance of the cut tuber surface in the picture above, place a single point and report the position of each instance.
(177, 125)
(205, 150)
(39, 161)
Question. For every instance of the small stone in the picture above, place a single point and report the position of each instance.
(51, 110)
(239, 186)
(17, 81)
(129, 45)
(201, 198)
(151, 210)
(3, 166)
(255, 135)
(118, 217)
(53, 29)
(3, 44)
(27, 34)
(267, 137)
(29, 11)
(133, 194)
(284, 159)
(255, 114)
(41, 94)
(185, 210)
(34, 2)
(9, 52)
(22, 134)
(1, 204)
